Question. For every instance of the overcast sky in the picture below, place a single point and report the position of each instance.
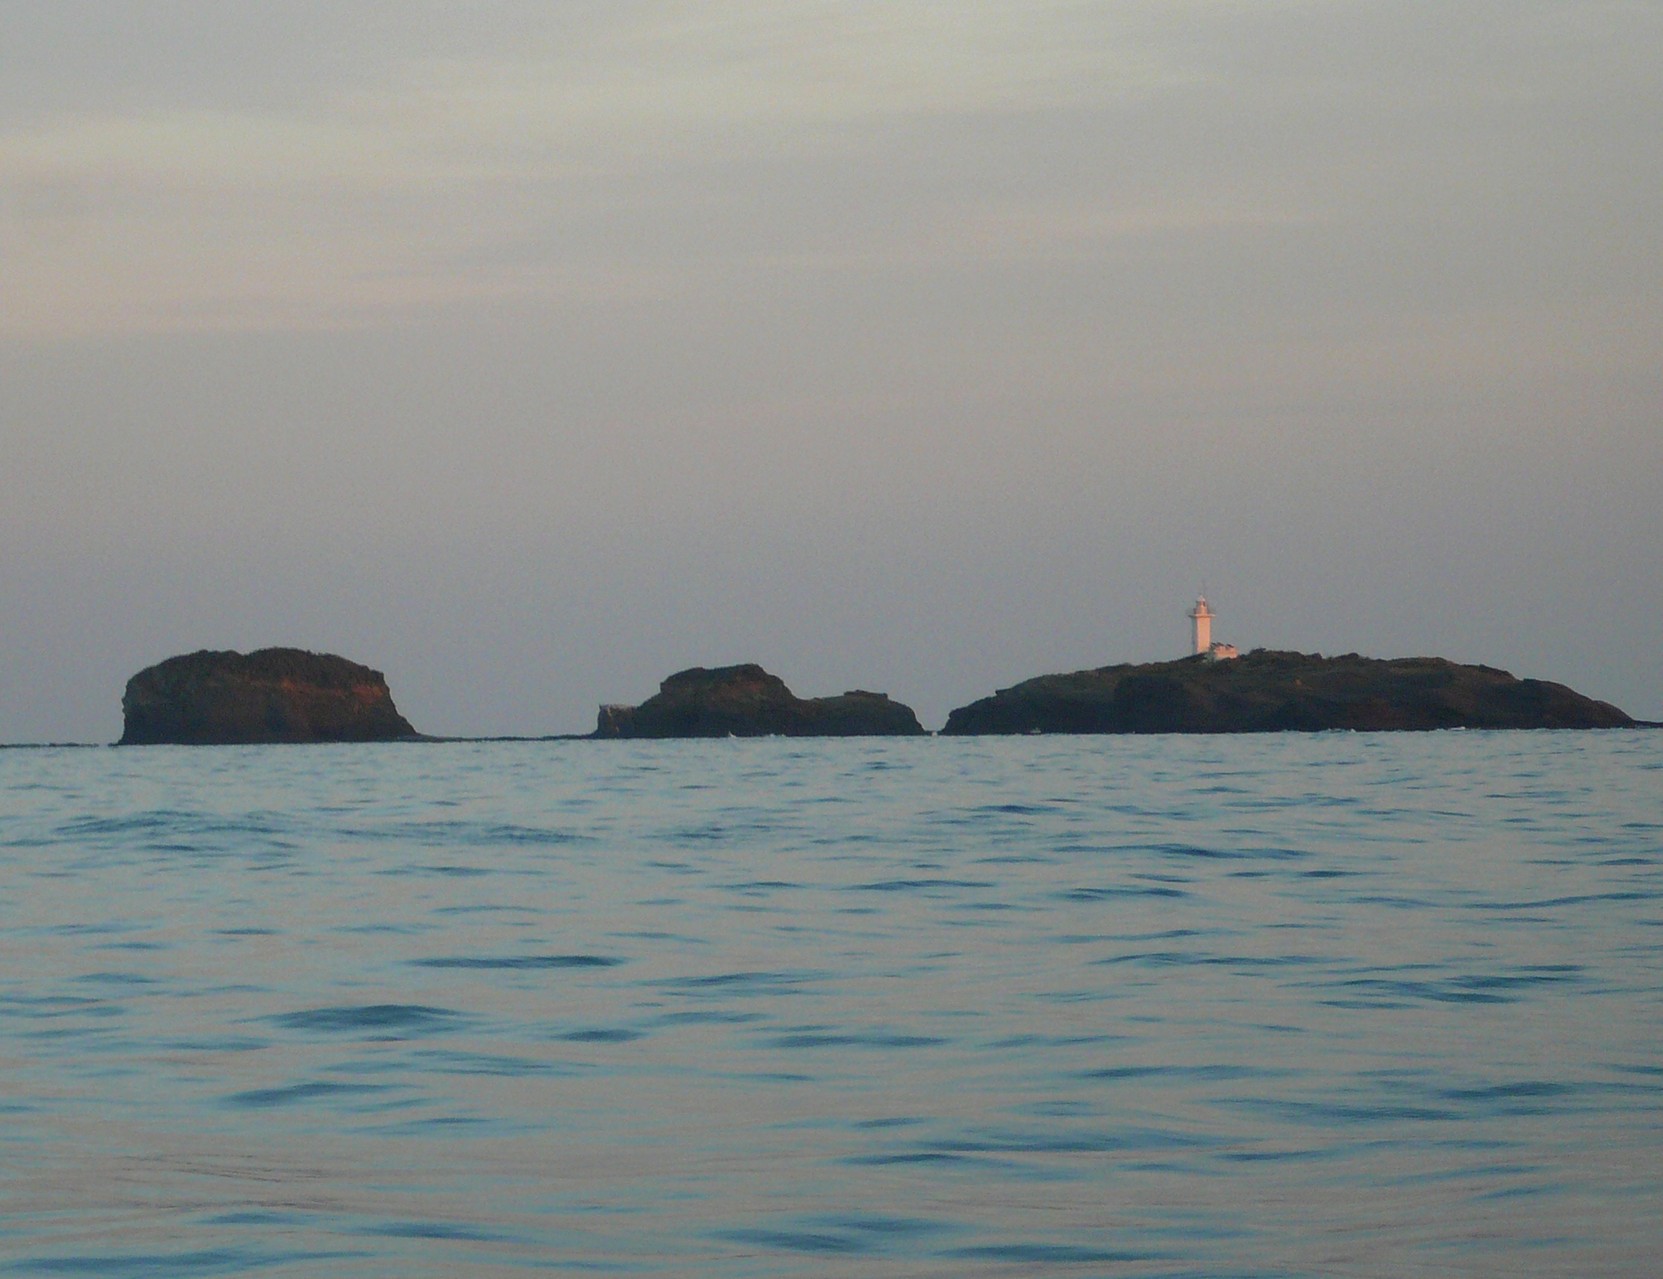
(531, 350)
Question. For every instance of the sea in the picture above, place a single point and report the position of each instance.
(1271, 1005)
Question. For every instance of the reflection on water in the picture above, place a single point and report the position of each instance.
(1293, 1005)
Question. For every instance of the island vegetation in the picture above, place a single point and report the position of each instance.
(1270, 691)
(746, 701)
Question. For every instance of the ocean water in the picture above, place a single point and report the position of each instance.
(1324, 1005)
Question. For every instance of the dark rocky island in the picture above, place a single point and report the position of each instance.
(1267, 691)
(273, 695)
(746, 701)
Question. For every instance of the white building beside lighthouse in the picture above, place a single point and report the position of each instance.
(1201, 633)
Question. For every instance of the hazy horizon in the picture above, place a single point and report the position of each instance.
(531, 352)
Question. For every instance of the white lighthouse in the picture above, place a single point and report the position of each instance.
(1201, 626)
(1201, 634)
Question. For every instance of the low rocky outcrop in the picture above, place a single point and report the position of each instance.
(746, 701)
(1267, 691)
(273, 695)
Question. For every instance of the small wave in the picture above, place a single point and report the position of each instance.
(298, 1094)
(758, 886)
(47, 1005)
(1071, 1143)
(1239, 963)
(1202, 1074)
(218, 1044)
(434, 1230)
(852, 1039)
(1246, 853)
(903, 1158)
(173, 1265)
(1329, 1114)
(1111, 892)
(1574, 899)
(252, 1218)
(1520, 1097)
(1498, 988)
(811, 1241)
(708, 1017)
(849, 1234)
(353, 1018)
(499, 1065)
(602, 1035)
(175, 831)
(1057, 1041)
(917, 885)
(116, 979)
(746, 983)
(1055, 1254)
(455, 834)
(517, 962)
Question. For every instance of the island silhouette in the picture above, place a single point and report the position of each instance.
(291, 695)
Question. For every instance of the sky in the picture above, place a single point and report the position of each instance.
(532, 350)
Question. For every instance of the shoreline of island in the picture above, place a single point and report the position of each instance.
(291, 695)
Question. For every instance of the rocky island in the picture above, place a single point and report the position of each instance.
(1267, 691)
(272, 695)
(746, 701)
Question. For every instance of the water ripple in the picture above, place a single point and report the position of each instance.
(517, 962)
(411, 1019)
(1296, 1005)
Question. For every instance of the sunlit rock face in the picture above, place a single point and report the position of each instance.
(273, 695)
(746, 701)
(1266, 691)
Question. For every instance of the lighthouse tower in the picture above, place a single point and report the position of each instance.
(1201, 626)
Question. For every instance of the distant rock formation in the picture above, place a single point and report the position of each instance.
(1267, 691)
(273, 695)
(746, 701)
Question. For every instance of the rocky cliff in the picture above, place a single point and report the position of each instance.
(1267, 691)
(746, 701)
(273, 695)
